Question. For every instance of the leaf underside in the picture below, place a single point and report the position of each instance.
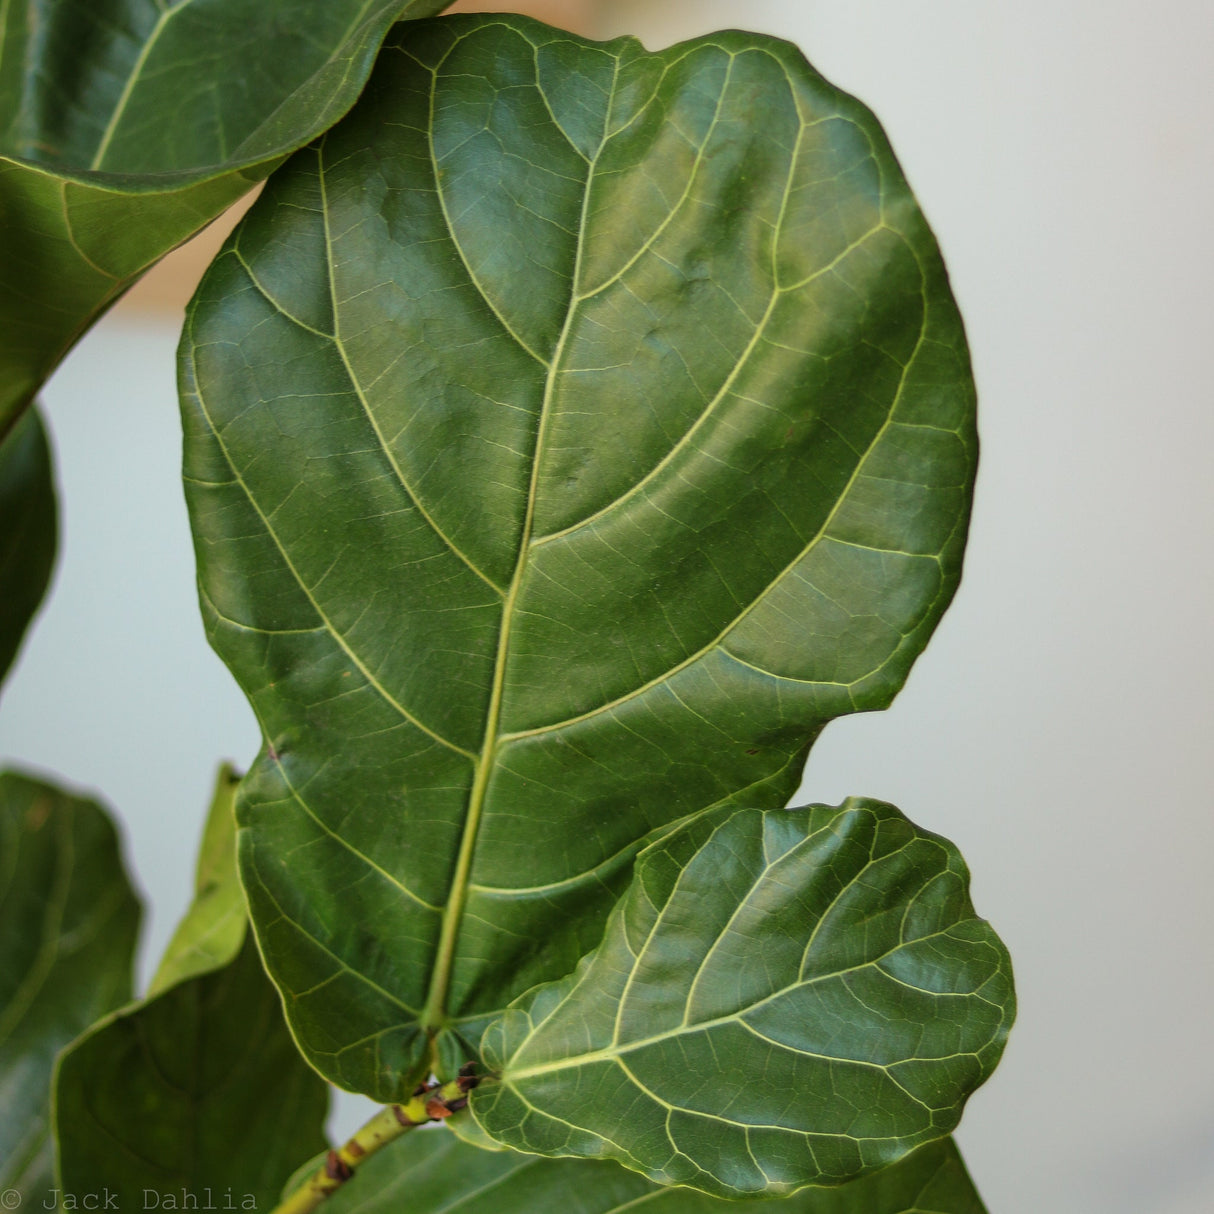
(782, 998)
(127, 125)
(198, 1087)
(28, 531)
(564, 450)
(68, 924)
(433, 1172)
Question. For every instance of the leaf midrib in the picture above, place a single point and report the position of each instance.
(435, 1011)
(618, 1050)
(128, 89)
(145, 52)
(718, 641)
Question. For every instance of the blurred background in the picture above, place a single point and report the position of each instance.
(1058, 726)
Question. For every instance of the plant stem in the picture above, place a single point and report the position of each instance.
(431, 1102)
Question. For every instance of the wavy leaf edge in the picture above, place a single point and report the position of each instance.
(899, 976)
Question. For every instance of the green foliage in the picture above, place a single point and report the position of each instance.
(128, 125)
(571, 433)
(538, 505)
(68, 920)
(213, 930)
(782, 998)
(200, 1081)
(433, 1172)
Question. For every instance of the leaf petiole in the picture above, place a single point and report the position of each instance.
(430, 1102)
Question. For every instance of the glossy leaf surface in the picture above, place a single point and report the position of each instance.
(28, 531)
(433, 1172)
(68, 923)
(127, 125)
(783, 998)
(198, 1086)
(564, 449)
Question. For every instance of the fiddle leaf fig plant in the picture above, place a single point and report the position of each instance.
(571, 432)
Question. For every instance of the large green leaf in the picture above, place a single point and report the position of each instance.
(126, 125)
(68, 923)
(782, 998)
(433, 1172)
(199, 1085)
(564, 449)
(27, 531)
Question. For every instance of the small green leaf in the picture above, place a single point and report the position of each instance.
(125, 127)
(783, 998)
(68, 923)
(210, 935)
(27, 531)
(199, 1086)
(433, 1172)
(564, 448)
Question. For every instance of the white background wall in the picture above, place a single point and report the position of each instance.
(1057, 728)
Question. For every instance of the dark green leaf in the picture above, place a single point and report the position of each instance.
(199, 1086)
(27, 531)
(68, 922)
(783, 998)
(126, 125)
(564, 450)
(433, 1172)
